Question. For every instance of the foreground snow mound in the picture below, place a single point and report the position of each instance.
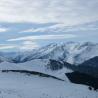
(18, 85)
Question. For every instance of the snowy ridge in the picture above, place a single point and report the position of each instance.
(37, 65)
(71, 52)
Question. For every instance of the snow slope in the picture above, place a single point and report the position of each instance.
(37, 65)
(16, 85)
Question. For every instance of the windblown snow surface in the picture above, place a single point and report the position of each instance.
(22, 85)
(17, 85)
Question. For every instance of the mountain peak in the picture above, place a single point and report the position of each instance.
(71, 52)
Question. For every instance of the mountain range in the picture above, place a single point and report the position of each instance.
(71, 52)
(67, 68)
(82, 57)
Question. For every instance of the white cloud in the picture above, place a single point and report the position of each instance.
(4, 46)
(52, 28)
(3, 30)
(28, 45)
(69, 12)
(43, 37)
(62, 28)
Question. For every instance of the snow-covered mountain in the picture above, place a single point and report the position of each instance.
(42, 73)
(74, 53)
(51, 59)
(46, 66)
(71, 52)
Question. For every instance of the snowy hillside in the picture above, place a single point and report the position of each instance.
(16, 85)
(37, 65)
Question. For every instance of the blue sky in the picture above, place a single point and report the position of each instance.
(30, 24)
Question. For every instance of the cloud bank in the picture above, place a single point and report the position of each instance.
(28, 24)
(68, 12)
